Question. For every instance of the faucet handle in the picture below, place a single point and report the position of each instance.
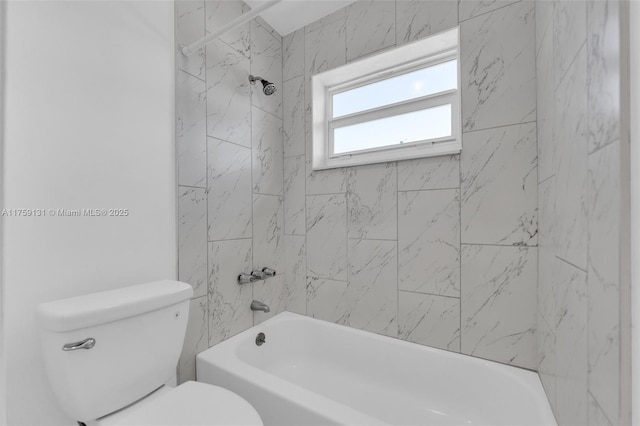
(258, 274)
(269, 272)
(246, 278)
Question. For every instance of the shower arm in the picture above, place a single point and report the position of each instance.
(190, 49)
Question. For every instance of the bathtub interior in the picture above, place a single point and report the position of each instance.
(392, 380)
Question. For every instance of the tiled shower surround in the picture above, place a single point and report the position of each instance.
(579, 148)
(440, 251)
(230, 173)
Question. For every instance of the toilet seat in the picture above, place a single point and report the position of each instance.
(191, 403)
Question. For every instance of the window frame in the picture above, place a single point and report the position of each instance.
(431, 51)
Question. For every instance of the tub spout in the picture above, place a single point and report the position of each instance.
(259, 306)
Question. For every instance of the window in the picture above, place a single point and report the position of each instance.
(400, 104)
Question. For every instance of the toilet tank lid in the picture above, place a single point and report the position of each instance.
(112, 305)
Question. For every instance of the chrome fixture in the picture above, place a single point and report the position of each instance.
(259, 306)
(258, 274)
(268, 88)
(269, 272)
(83, 344)
(247, 278)
(260, 339)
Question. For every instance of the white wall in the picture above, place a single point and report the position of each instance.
(89, 124)
(2, 73)
(634, 27)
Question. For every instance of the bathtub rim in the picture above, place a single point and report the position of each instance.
(232, 364)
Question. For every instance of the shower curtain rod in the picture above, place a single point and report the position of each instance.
(188, 50)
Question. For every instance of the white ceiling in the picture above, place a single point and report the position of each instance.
(289, 15)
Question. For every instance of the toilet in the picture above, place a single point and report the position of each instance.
(111, 360)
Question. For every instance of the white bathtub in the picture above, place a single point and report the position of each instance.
(312, 372)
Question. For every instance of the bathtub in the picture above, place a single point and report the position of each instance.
(312, 372)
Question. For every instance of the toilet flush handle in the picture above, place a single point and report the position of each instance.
(83, 344)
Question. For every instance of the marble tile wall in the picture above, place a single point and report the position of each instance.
(578, 326)
(231, 164)
(439, 251)
(446, 251)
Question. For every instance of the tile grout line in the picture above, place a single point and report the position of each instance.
(250, 101)
(304, 165)
(429, 189)
(179, 70)
(537, 281)
(226, 141)
(483, 13)
(501, 126)
(206, 154)
(429, 294)
(571, 264)
(397, 236)
(498, 245)
(191, 186)
(284, 261)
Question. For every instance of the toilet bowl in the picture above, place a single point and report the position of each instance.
(110, 355)
(191, 403)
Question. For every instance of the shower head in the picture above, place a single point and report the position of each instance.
(268, 88)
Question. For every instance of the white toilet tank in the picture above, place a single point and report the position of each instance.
(138, 333)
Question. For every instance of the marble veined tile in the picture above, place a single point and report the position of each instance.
(498, 316)
(498, 68)
(294, 117)
(229, 302)
(220, 12)
(570, 34)
(268, 232)
(429, 320)
(294, 195)
(189, 28)
(372, 207)
(370, 27)
(603, 282)
(547, 260)
(266, 62)
(325, 48)
(338, 15)
(372, 289)
(275, 34)
(268, 153)
(499, 186)
(545, 108)
(473, 8)
(416, 19)
(195, 339)
(442, 172)
(192, 238)
(327, 236)
(546, 347)
(191, 130)
(293, 54)
(273, 293)
(544, 25)
(326, 299)
(571, 164)
(429, 242)
(228, 95)
(595, 415)
(229, 190)
(330, 181)
(603, 79)
(295, 273)
(571, 345)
